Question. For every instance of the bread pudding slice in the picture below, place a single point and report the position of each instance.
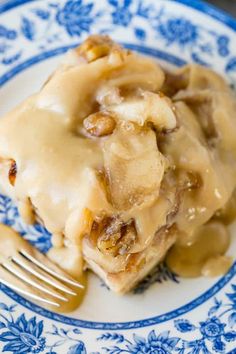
(118, 159)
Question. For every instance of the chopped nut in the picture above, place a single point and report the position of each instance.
(95, 47)
(118, 238)
(113, 236)
(96, 52)
(12, 172)
(99, 124)
(97, 228)
(110, 235)
(128, 238)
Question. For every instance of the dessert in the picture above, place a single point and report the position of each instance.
(120, 159)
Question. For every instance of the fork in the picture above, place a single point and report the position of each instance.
(30, 273)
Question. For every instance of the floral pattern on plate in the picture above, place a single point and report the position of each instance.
(214, 334)
(45, 25)
(176, 34)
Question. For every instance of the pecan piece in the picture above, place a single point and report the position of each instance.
(99, 124)
(95, 47)
(113, 236)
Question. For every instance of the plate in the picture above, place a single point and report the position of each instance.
(164, 314)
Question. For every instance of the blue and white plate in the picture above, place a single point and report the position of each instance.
(165, 314)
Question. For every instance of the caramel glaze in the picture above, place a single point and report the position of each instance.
(101, 144)
(204, 255)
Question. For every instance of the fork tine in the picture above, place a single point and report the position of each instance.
(19, 261)
(13, 269)
(50, 270)
(26, 293)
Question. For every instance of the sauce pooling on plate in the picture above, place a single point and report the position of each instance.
(205, 255)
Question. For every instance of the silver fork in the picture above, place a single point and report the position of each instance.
(32, 274)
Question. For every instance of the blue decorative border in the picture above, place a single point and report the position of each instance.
(210, 10)
(124, 325)
(212, 332)
(199, 5)
(202, 7)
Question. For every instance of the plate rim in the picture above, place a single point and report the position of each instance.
(208, 10)
(197, 301)
(200, 5)
(213, 290)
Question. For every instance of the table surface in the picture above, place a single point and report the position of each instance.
(227, 5)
